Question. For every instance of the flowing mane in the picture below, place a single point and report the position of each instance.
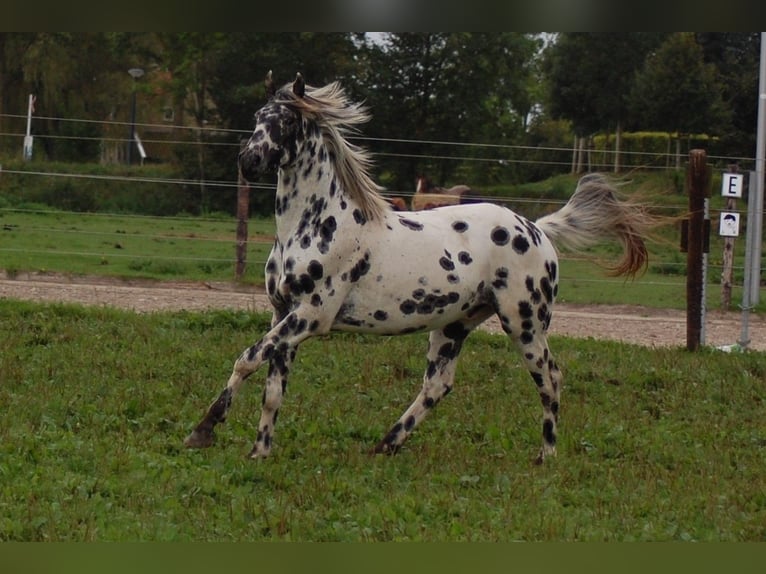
(337, 116)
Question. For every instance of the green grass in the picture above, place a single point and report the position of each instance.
(655, 444)
(199, 249)
(177, 248)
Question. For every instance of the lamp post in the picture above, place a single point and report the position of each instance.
(135, 73)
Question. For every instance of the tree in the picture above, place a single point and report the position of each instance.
(736, 56)
(677, 92)
(191, 59)
(73, 76)
(590, 76)
(448, 87)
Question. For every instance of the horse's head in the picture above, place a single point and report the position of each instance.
(277, 133)
(423, 184)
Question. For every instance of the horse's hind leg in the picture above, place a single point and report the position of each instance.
(548, 379)
(443, 349)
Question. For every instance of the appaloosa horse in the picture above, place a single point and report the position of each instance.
(343, 260)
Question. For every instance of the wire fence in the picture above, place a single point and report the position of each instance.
(196, 249)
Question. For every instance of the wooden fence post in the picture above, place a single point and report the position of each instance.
(243, 212)
(697, 181)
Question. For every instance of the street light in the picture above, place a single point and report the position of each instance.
(135, 73)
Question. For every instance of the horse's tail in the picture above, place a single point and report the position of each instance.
(594, 212)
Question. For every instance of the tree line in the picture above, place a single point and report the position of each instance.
(537, 91)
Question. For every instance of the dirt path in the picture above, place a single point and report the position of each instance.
(627, 323)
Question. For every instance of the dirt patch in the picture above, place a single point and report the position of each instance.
(626, 323)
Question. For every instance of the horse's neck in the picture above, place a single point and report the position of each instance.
(304, 198)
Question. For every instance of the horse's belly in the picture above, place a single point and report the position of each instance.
(410, 311)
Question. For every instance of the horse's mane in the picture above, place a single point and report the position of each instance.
(336, 116)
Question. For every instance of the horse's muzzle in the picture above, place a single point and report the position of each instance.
(249, 163)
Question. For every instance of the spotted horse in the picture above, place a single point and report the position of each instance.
(344, 260)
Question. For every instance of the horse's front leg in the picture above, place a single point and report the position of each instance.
(278, 347)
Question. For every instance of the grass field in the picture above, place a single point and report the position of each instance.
(159, 248)
(202, 249)
(655, 444)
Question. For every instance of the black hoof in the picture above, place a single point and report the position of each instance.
(199, 439)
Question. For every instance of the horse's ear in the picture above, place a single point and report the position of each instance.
(270, 89)
(299, 86)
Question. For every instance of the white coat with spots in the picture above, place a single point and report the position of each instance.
(343, 260)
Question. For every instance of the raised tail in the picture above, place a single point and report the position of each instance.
(595, 213)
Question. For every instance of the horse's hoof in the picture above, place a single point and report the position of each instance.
(256, 454)
(386, 448)
(199, 439)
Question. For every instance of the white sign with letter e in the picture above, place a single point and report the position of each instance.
(729, 224)
(732, 184)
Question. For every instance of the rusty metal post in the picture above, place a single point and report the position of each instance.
(697, 182)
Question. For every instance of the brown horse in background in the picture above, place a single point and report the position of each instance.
(428, 195)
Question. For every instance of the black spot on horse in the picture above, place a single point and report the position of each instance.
(525, 310)
(380, 315)
(408, 307)
(446, 264)
(464, 257)
(460, 226)
(315, 269)
(520, 244)
(409, 224)
(361, 268)
(545, 285)
(426, 306)
(551, 269)
(299, 285)
(501, 278)
(500, 236)
(526, 337)
(418, 294)
(543, 315)
(359, 216)
(456, 331)
(326, 232)
(548, 433)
